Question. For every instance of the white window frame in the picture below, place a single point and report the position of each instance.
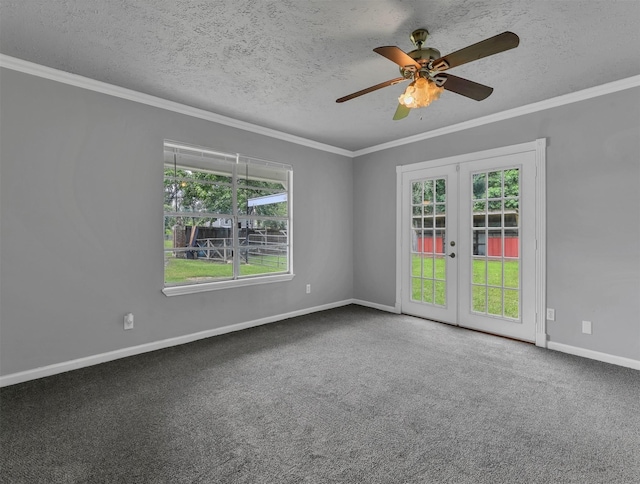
(238, 280)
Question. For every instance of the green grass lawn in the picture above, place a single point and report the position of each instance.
(200, 270)
(429, 285)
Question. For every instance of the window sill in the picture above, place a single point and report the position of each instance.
(215, 286)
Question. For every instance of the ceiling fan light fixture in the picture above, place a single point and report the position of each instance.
(420, 93)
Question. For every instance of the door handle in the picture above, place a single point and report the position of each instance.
(452, 255)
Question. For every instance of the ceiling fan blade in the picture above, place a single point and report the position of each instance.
(464, 87)
(402, 112)
(395, 54)
(371, 89)
(494, 45)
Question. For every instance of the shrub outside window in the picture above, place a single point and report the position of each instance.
(227, 220)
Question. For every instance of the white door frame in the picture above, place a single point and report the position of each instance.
(539, 147)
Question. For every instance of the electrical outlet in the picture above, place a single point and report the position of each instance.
(551, 314)
(128, 321)
(308, 288)
(586, 327)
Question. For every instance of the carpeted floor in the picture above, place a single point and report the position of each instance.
(350, 395)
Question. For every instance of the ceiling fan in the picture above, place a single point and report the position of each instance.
(425, 67)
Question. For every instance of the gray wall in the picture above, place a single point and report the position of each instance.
(593, 214)
(81, 222)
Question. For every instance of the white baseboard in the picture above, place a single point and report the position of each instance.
(381, 307)
(594, 355)
(54, 369)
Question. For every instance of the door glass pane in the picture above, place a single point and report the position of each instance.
(495, 260)
(479, 271)
(416, 288)
(427, 291)
(416, 269)
(415, 238)
(439, 268)
(440, 290)
(480, 214)
(512, 274)
(512, 183)
(494, 246)
(511, 243)
(428, 267)
(494, 301)
(479, 299)
(495, 213)
(441, 190)
(479, 186)
(479, 242)
(440, 242)
(428, 198)
(416, 194)
(426, 243)
(511, 212)
(494, 182)
(494, 276)
(511, 306)
(428, 264)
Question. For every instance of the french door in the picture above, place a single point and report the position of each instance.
(468, 243)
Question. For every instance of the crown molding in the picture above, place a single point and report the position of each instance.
(573, 97)
(38, 70)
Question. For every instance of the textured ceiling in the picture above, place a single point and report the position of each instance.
(282, 64)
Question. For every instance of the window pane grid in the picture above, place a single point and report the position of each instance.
(495, 243)
(428, 271)
(226, 217)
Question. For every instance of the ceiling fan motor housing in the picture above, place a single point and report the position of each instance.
(419, 37)
(422, 57)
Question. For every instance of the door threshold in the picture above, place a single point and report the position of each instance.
(455, 325)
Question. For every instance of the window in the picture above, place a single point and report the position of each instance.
(227, 220)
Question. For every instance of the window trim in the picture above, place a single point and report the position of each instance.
(226, 284)
(242, 281)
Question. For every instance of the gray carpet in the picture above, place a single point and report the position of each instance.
(350, 395)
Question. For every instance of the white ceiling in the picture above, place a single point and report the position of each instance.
(282, 64)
